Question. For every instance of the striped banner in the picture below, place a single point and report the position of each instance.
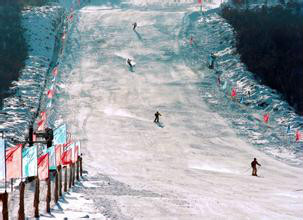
(29, 161)
(2, 159)
(13, 162)
(60, 135)
(52, 158)
(43, 167)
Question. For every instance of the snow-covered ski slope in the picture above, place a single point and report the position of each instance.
(195, 167)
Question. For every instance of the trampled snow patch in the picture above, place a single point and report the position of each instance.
(73, 205)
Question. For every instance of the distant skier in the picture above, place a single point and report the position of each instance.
(219, 81)
(129, 62)
(254, 164)
(212, 58)
(157, 114)
(134, 26)
(191, 40)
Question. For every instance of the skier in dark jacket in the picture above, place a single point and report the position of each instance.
(254, 164)
(134, 26)
(157, 114)
(129, 62)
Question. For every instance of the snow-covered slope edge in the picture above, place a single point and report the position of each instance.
(41, 26)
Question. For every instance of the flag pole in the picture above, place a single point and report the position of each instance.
(4, 162)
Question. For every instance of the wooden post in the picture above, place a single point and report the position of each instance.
(4, 205)
(70, 176)
(80, 166)
(56, 196)
(36, 199)
(65, 179)
(12, 184)
(73, 174)
(21, 215)
(77, 169)
(48, 195)
(60, 180)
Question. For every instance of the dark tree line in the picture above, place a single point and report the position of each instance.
(22, 3)
(13, 48)
(270, 43)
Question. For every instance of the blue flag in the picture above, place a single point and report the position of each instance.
(241, 100)
(52, 158)
(49, 104)
(60, 135)
(78, 143)
(224, 85)
(288, 129)
(29, 161)
(2, 159)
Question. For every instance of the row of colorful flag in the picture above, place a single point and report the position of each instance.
(266, 116)
(233, 94)
(42, 122)
(37, 160)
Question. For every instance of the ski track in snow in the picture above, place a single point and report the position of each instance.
(196, 167)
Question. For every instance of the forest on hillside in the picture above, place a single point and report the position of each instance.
(13, 48)
(270, 43)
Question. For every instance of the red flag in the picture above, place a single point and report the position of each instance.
(55, 71)
(42, 121)
(41, 124)
(63, 36)
(43, 167)
(58, 150)
(233, 92)
(43, 115)
(266, 118)
(13, 162)
(34, 137)
(66, 158)
(50, 93)
(76, 150)
(199, 1)
(298, 135)
(71, 17)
